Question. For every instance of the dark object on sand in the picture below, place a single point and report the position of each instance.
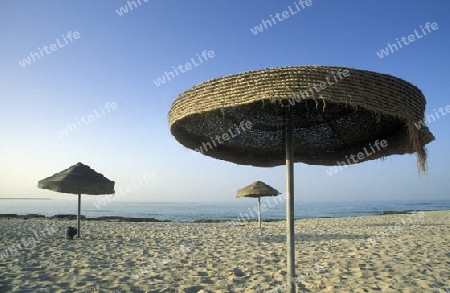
(396, 212)
(70, 232)
(67, 217)
(125, 219)
(8, 215)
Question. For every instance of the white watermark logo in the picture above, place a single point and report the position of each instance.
(427, 120)
(411, 38)
(194, 62)
(317, 88)
(264, 206)
(83, 121)
(159, 261)
(49, 49)
(265, 24)
(130, 4)
(391, 230)
(354, 159)
(236, 130)
(17, 248)
(317, 268)
(144, 179)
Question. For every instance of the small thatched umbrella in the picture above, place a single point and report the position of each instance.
(78, 179)
(257, 189)
(318, 115)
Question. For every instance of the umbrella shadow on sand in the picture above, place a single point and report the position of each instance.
(300, 237)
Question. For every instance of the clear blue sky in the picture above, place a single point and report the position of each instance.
(116, 58)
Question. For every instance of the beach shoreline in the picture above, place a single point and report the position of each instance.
(388, 253)
(151, 219)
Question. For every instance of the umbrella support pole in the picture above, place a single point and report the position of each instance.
(289, 201)
(259, 212)
(78, 215)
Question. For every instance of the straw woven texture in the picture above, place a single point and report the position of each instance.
(257, 189)
(345, 114)
(78, 179)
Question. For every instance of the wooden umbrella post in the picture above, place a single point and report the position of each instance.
(259, 212)
(78, 215)
(289, 201)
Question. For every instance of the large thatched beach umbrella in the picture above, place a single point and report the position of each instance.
(318, 115)
(78, 179)
(257, 189)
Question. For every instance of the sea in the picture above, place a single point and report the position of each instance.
(272, 208)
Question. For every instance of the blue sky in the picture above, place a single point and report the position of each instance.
(108, 72)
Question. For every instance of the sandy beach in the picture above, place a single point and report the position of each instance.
(386, 253)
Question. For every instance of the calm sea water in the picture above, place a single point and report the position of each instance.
(272, 208)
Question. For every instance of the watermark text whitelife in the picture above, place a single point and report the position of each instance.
(391, 230)
(175, 253)
(265, 24)
(85, 120)
(429, 27)
(317, 268)
(130, 4)
(182, 68)
(272, 202)
(317, 88)
(435, 116)
(232, 132)
(49, 49)
(354, 159)
(17, 248)
(130, 187)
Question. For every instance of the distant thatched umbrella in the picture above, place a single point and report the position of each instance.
(257, 189)
(78, 179)
(318, 115)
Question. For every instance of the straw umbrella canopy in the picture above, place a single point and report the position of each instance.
(257, 189)
(78, 179)
(318, 115)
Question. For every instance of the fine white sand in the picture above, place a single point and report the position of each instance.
(390, 253)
